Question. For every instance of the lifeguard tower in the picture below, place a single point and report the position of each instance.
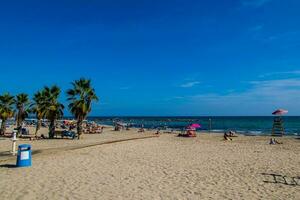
(278, 126)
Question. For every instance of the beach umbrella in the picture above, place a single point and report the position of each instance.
(195, 125)
(280, 112)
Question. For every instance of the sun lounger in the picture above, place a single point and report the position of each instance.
(70, 134)
(30, 137)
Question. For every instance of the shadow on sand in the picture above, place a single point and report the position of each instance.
(8, 166)
(5, 153)
(281, 179)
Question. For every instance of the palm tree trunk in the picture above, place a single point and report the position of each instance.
(79, 128)
(3, 127)
(38, 126)
(52, 129)
(19, 124)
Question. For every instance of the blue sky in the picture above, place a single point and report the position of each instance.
(159, 57)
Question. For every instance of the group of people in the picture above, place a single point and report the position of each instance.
(93, 128)
(228, 136)
(188, 133)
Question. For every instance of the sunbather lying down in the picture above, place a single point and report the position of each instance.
(188, 133)
(185, 135)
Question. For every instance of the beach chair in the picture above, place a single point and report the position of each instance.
(70, 134)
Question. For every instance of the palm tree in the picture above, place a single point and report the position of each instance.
(6, 110)
(80, 97)
(22, 105)
(37, 108)
(51, 108)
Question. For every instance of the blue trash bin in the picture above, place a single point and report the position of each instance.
(24, 155)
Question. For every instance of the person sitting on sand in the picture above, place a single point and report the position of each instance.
(142, 130)
(191, 133)
(117, 127)
(100, 129)
(227, 136)
(274, 141)
(157, 132)
(231, 134)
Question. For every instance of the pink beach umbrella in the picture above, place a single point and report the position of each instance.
(280, 112)
(195, 126)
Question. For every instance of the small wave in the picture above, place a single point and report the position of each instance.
(256, 132)
(217, 130)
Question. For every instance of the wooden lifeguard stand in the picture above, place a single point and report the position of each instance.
(278, 125)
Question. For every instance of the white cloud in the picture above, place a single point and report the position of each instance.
(288, 73)
(190, 84)
(261, 98)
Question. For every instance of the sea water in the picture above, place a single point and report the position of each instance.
(243, 125)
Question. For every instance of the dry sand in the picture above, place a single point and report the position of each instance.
(167, 167)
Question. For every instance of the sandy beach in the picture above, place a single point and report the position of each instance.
(165, 167)
(150, 100)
